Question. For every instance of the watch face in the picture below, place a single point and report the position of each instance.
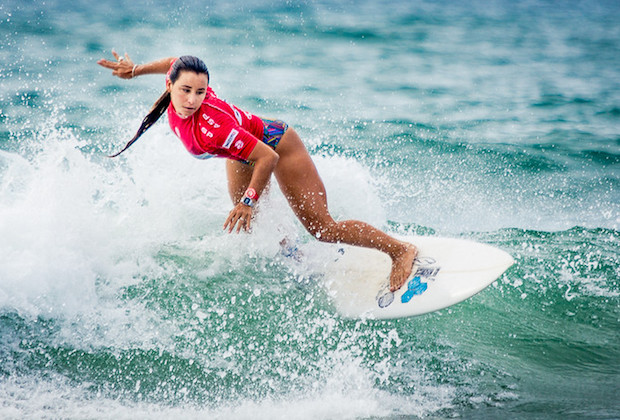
(247, 201)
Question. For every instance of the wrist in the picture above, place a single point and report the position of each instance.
(133, 71)
(250, 197)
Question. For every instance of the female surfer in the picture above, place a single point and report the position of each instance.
(255, 149)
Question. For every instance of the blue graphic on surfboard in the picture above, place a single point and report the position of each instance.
(414, 287)
(446, 271)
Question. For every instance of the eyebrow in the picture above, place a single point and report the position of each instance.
(191, 87)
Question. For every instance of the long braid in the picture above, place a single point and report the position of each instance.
(158, 109)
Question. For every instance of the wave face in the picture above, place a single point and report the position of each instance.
(120, 296)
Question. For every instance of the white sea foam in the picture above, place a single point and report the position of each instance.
(76, 228)
(343, 397)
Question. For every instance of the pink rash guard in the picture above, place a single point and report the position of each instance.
(217, 129)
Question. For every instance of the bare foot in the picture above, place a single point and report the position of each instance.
(402, 265)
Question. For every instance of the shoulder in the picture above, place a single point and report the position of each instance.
(210, 93)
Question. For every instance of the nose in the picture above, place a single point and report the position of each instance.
(191, 98)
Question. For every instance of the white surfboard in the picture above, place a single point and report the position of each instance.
(447, 271)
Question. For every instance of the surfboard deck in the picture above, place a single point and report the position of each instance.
(446, 271)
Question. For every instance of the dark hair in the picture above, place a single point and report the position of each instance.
(184, 63)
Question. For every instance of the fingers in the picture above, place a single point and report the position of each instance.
(239, 222)
(122, 67)
(108, 64)
(239, 218)
(236, 223)
(243, 224)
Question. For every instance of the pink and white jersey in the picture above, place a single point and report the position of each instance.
(217, 129)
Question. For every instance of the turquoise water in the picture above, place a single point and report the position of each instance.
(120, 296)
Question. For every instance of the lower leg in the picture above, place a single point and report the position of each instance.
(358, 233)
(355, 232)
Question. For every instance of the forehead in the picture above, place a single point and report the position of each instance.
(190, 78)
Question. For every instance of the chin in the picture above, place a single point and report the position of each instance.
(185, 115)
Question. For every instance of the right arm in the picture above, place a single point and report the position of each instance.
(265, 160)
(126, 69)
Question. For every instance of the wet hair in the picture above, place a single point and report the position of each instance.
(184, 63)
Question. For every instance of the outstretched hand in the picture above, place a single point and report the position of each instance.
(123, 67)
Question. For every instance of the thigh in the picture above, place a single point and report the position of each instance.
(300, 182)
(239, 175)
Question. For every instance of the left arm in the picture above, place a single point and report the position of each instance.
(265, 160)
(124, 67)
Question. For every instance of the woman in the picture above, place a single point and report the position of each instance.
(255, 148)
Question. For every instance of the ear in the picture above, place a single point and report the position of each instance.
(168, 85)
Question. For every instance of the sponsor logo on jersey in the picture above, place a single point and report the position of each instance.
(231, 137)
(210, 121)
(206, 132)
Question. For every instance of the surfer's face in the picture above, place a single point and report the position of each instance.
(188, 92)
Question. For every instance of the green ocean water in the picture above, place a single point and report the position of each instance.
(120, 296)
